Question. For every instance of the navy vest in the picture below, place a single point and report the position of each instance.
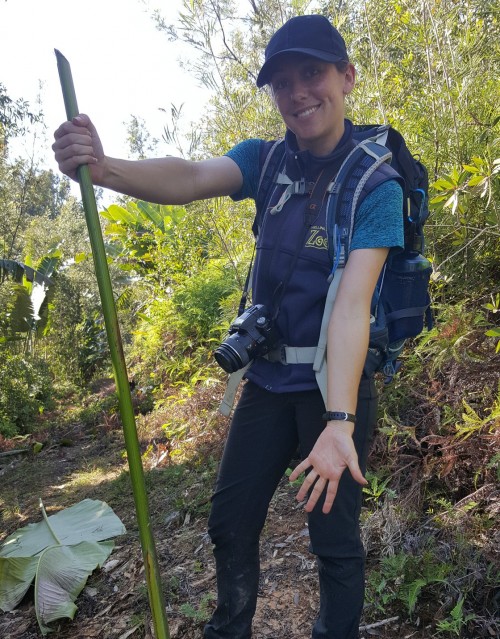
(292, 264)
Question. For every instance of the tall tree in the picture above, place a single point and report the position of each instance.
(14, 117)
(428, 67)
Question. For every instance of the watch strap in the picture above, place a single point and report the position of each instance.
(339, 416)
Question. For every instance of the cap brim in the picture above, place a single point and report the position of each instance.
(267, 68)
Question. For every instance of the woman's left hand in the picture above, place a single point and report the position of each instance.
(333, 452)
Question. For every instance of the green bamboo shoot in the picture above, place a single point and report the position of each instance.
(120, 371)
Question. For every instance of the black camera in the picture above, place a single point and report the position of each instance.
(251, 335)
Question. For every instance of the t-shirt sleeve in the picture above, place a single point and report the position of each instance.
(246, 154)
(379, 220)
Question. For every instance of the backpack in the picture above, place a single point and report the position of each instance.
(401, 302)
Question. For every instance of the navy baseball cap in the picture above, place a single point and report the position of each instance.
(312, 35)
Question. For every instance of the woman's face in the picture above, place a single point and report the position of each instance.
(309, 94)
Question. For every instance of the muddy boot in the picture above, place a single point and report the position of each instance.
(341, 583)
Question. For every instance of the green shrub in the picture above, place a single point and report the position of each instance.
(177, 334)
(197, 302)
(93, 349)
(402, 577)
(25, 390)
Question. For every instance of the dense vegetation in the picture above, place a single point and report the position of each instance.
(430, 68)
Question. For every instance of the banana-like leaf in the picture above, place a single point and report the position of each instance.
(28, 265)
(60, 553)
(152, 212)
(61, 574)
(121, 215)
(16, 575)
(48, 264)
(38, 296)
(18, 270)
(15, 269)
(117, 230)
(89, 520)
(22, 314)
(34, 292)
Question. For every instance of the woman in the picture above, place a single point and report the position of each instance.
(309, 74)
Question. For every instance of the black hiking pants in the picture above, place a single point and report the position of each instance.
(264, 435)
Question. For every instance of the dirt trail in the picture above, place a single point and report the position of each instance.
(78, 462)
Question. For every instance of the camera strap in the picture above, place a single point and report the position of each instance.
(246, 288)
(234, 380)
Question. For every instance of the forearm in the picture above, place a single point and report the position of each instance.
(349, 328)
(334, 450)
(171, 180)
(166, 180)
(348, 334)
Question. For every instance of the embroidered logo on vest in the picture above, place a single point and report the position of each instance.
(317, 238)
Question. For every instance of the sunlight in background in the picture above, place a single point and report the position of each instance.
(121, 65)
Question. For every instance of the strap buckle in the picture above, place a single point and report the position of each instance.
(277, 354)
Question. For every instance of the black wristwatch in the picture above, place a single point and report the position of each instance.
(339, 416)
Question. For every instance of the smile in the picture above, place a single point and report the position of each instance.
(306, 112)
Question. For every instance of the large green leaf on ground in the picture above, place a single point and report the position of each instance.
(60, 553)
(89, 520)
(16, 575)
(60, 577)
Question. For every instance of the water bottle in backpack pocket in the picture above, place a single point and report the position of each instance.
(402, 307)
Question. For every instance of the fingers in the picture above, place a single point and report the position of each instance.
(331, 493)
(314, 484)
(74, 145)
(70, 157)
(79, 124)
(356, 473)
(71, 138)
(301, 468)
(319, 487)
(306, 484)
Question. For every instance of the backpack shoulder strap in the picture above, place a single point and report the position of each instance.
(355, 171)
(272, 159)
(376, 132)
(361, 163)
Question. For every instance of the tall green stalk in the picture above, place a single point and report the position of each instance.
(120, 370)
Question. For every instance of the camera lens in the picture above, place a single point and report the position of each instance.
(226, 359)
(232, 355)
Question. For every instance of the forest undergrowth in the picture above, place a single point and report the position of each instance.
(429, 520)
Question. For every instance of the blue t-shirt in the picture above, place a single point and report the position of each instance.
(378, 223)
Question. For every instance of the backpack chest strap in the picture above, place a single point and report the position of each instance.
(315, 355)
(292, 188)
(292, 354)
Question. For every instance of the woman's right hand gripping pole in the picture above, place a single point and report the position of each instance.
(77, 143)
(163, 180)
